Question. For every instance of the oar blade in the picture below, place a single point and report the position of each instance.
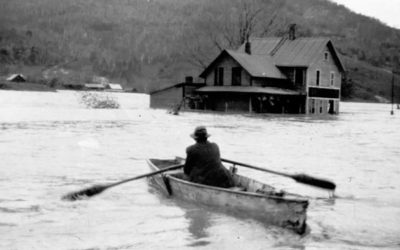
(87, 192)
(317, 182)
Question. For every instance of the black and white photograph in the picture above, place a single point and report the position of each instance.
(199, 124)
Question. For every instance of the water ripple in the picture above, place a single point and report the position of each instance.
(31, 209)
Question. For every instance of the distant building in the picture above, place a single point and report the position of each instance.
(269, 75)
(16, 78)
(74, 86)
(115, 87)
(94, 86)
(181, 94)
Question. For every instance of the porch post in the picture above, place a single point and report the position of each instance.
(307, 103)
(250, 107)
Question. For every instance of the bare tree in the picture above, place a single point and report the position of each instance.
(227, 24)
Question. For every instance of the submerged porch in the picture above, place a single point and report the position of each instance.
(251, 99)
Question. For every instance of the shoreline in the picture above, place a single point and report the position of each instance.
(38, 87)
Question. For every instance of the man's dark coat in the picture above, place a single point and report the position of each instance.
(203, 165)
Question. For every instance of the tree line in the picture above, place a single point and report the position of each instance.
(147, 43)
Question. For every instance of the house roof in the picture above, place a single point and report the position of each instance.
(115, 86)
(262, 46)
(255, 65)
(300, 52)
(178, 85)
(16, 77)
(94, 85)
(269, 53)
(248, 89)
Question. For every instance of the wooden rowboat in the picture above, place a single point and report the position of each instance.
(250, 197)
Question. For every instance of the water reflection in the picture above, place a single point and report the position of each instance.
(199, 221)
(198, 217)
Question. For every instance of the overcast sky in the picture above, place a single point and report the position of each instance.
(387, 11)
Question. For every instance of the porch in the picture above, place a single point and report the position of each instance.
(252, 99)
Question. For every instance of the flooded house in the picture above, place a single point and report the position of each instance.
(268, 75)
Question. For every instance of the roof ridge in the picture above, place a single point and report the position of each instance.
(264, 57)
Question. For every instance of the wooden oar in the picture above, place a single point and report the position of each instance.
(97, 189)
(302, 178)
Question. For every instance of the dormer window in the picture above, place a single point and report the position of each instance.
(326, 56)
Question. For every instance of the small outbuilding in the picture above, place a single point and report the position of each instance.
(180, 95)
(94, 86)
(16, 78)
(114, 87)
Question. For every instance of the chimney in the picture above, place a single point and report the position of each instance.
(292, 31)
(247, 47)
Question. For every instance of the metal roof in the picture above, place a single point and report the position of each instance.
(300, 52)
(261, 46)
(257, 65)
(248, 89)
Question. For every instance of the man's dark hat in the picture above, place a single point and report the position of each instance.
(200, 132)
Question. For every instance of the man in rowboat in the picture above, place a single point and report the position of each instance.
(203, 162)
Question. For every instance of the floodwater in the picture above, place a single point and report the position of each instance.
(50, 144)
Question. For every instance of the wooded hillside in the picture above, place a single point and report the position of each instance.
(146, 44)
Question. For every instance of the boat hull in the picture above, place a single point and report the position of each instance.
(259, 201)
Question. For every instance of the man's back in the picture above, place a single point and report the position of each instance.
(203, 165)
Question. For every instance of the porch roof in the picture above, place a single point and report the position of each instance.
(248, 89)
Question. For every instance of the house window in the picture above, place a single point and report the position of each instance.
(219, 76)
(326, 56)
(332, 78)
(236, 76)
(317, 80)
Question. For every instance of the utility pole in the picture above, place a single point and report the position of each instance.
(392, 111)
